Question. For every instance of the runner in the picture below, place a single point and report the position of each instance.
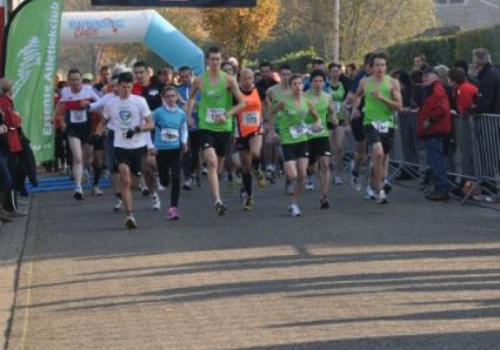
(130, 118)
(293, 132)
(357, 123)
(151, 91)
(216, 117)
(338, 93)
(191, 160)
(171, 136)
(319, 142)
(382, 99)
(248, 133)
(78, 125)
(104, 79)
(274, 96)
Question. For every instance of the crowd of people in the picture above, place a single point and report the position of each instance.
(147, 129)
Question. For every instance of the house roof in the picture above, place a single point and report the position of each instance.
(469, 15)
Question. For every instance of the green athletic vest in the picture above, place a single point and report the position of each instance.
(338, 98)
(215, 100)
(292, 122)
(322, 109)
(376, 110)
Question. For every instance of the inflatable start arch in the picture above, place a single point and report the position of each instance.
(120, 27)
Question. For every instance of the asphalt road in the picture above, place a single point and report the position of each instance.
(409, 275)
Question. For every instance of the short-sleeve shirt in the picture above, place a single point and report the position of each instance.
(124, 115)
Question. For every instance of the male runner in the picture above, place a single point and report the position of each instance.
(77, 122)
(293, 132)
(248, 133)
(131, 118)
(151, 91)
(274, 96)
(319, 142)
(382, 98)
(216, 117)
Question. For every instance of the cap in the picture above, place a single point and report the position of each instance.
(88, 76)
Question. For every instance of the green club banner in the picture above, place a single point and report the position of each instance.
(31, 48)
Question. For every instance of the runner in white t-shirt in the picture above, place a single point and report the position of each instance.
(131, 118)
(77, 122)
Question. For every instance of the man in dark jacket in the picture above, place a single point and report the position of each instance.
(488, 101)
(434, 124)
(5, 178)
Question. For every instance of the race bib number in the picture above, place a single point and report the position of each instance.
(169, 135)
(312, 132)
(251, 118)
(298, 131)
(381, 127)
(215, 113)
(337, 106)
(78, 117)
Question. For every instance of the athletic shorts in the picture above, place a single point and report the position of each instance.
(357, 129)
(319, 147)
(219, 141)
(373, 136)
(84, 134)
(295, 151)
(243, 143)
(99, 143)
(131, 157)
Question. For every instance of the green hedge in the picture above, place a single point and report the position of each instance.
(300, 61)
(437, 50)
(446, 50)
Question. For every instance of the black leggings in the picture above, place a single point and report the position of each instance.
(191, 160)
(169, 168)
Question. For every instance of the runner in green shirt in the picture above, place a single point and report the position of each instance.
(319, 142)
(215, 113)
(338, 93)
(382, 99)
(293, 133)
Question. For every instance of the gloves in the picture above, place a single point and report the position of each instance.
(130, 133)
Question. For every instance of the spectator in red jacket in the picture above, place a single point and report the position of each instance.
(464, 93)
(434, 124)
(13, 122)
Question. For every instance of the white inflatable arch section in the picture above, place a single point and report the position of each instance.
(126, 27)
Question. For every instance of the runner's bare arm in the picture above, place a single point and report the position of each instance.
(268, 105)
(191, 101)
(241, 103)
(331, 112)
(148, 125)
(101, 127)
(357, 99)
(59, 114)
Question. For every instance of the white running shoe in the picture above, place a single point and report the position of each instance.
(294, 210)
(155, 202)
(118, 204)
(130, 222)
(309, 183)
(337, 180)
(370, 193)
(79, 194)
(382, 197)
(97, 191)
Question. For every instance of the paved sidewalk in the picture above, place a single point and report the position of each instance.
(12, 237)
(410, 275)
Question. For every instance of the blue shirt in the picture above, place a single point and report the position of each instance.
(170, 128)
(184, 91)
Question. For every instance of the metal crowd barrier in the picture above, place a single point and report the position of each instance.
(473, 150)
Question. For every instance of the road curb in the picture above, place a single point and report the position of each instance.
(12, 245)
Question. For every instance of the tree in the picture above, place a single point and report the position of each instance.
(242, 30)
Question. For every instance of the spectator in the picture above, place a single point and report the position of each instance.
(464, 93)
(5, 179)
(351, 70)
(434, 125)
(442, 72)
(488, 101)
(407, 89)
(12, 121)
(465, 67)
(419, 61)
